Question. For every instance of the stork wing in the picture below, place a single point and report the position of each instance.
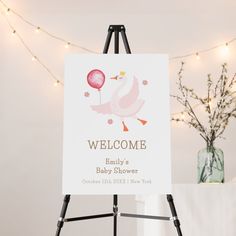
(131, 96)
(104, 108)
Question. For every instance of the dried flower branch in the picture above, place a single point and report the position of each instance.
(219, 104)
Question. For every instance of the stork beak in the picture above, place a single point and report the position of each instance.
(114, 78)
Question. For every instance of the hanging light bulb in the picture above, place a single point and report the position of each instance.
(225, 50)
(37, 30)
(56, 83)
(34, 58)
(67, 45)
(8, 11)
(172, 120)
(227, 47)
(182, 115)
(197, 56)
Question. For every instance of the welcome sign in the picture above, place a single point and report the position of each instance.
(116, 124)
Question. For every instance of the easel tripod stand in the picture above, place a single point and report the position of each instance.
(117, 30)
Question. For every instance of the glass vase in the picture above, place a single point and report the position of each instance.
(211, 165)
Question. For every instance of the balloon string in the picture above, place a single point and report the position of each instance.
(100, 97)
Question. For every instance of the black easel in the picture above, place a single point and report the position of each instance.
(117, 30)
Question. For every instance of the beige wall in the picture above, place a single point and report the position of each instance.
(31, 107)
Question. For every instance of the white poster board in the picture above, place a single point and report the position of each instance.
(116, 124)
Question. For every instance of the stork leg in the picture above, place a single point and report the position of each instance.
(143, 122)
(125, 128)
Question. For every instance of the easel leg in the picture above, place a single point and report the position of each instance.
(116, 45)
(174, 214)
(115, 211)
(125, 40)
(62, 215)
(108, 40)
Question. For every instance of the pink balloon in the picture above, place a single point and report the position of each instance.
(96, 78)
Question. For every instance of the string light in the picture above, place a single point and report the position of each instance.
(227, 47)
(56, 83)
(34, 58)
(67, 45)
(197, 56)
(92, 51)
(37, 30)
(8, 11)
(21, 17)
